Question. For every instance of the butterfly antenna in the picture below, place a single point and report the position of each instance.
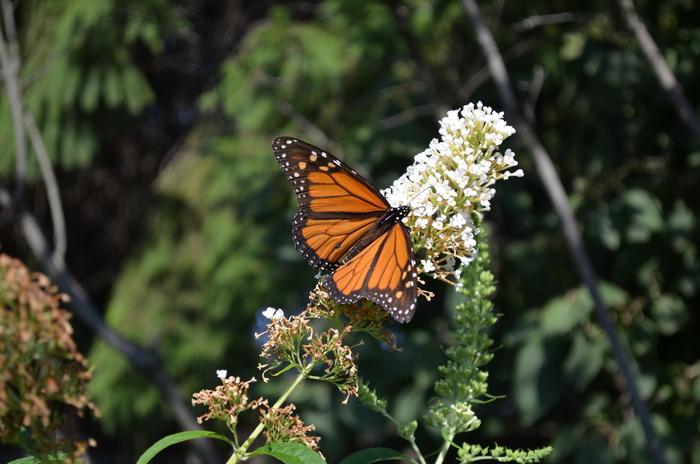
(418, 194)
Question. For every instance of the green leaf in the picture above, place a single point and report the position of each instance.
(176, 438)
(290, 452)
(370, 455)
(646, 215)
(670, 314)
(537, 378)
(561, 315)
(35, 460)
(584, 361)
(573, 46)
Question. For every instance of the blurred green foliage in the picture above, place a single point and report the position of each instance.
(78, 73)
(368, 80)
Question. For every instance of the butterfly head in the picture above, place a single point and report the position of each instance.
(394, 215)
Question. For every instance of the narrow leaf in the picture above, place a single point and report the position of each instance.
(370, 455)
(176, 438)
(290, 452)
(35, 460)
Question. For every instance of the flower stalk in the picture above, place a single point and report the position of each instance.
(240, 453)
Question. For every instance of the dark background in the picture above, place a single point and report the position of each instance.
(158, 117)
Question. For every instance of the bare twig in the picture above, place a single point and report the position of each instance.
(559, 199)
(8, 15)
(668, 81)
(534, 21)
(9, 62)
(534, 93)
(54, 196)
(315, 132)
(405, 117)
(400, 13)
(480, 77)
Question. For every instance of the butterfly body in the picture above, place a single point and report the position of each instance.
(345, 226)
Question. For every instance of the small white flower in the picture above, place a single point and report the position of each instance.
(458, 221)
(428, 266)
(221, 373)
(273, 313)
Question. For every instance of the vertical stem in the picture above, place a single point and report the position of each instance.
(9, 67)
(239, 454)
(658, 64)
(444, 449)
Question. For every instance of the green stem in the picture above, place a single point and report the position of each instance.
(239, 454)
(411, 439)
(444, 449)
(419, 455)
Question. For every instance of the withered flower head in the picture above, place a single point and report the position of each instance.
(285, 335)
(42, 370)
(281, 424)
(363, 316)
(226, 401)
(328, 350)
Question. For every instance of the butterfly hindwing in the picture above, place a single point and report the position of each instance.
(383, 272)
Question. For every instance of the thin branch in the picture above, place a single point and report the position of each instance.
(315, 132)
(9, 62)
(534, 21)
(534, 91)
(400, 13)
(559, 199)
(480, 77)
(54, 196)
(668, 81)
(404, 117)
(8, 15)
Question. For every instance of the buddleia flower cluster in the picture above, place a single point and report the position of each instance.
(450, 184)
(293, 342)
(227, 401)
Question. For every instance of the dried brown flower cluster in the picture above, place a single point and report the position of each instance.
(281, 424)
(363, 316)
(285, 336)
(226, 401)
(293, 342)
(327, 349)
(42, 370)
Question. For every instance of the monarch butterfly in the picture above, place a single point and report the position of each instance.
(346, 226)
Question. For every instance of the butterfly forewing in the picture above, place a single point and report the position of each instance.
(337, 206)
(339, 227)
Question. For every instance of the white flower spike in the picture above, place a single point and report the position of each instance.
(452, 181)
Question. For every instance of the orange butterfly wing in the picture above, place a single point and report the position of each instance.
(339, 220)
(383, 272)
